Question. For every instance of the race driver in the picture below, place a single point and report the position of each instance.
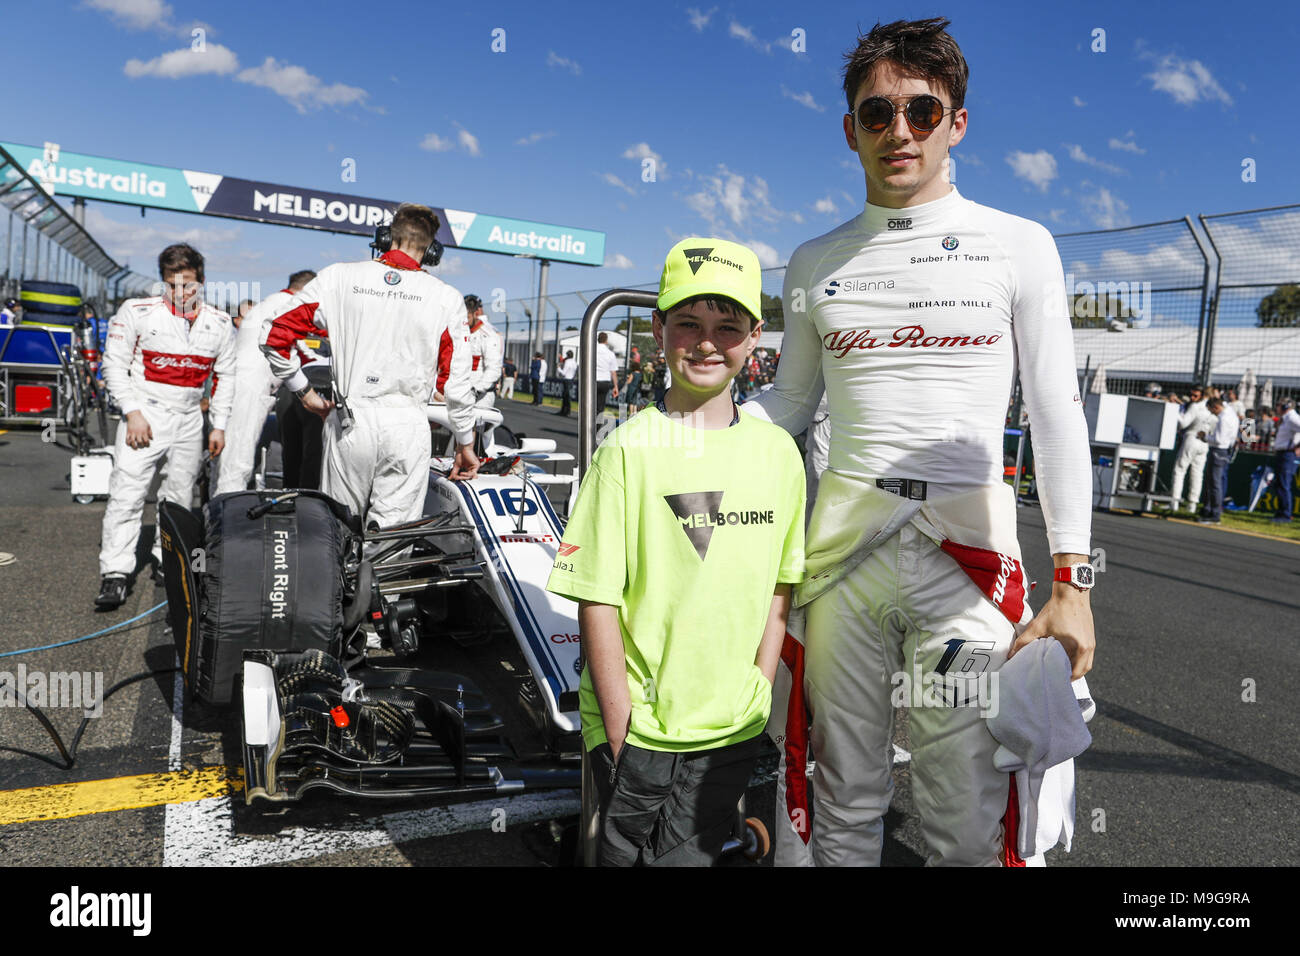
(255, 388)
(914, 317)
(159, 355)
(385, 318)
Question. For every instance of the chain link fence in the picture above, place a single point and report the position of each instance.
(1253, 317)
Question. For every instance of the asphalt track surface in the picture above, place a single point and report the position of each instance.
(1194, 760)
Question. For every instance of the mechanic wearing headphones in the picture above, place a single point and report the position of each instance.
(385, 318)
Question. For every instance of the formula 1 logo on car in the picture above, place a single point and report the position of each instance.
(392, 277)
(949, 243)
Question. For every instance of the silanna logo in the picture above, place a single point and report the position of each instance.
(392, 277)
(949, 243)
(699, 512)
(858, 285)
(697, 257)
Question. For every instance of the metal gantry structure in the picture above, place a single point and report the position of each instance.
(44, 241)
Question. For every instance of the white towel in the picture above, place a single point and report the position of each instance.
(1040, 725)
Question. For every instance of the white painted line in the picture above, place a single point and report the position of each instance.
(201, 833)
(178, 728)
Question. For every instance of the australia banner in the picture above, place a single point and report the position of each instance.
(62, 173)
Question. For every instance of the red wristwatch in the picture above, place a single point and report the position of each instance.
(1081, 575)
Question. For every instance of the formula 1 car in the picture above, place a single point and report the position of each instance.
(334, 641)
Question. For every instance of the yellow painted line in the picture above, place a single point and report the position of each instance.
(62, 801)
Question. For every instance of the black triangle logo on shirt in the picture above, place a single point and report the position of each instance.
(687, 507)
(696, 258)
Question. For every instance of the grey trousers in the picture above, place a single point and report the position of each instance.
(669, 809)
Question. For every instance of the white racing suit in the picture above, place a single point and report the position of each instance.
(255, 388)
(156, 362)
(916, 323)
(882, 601)
(385, 319)
(486, 349)
(1191, 454)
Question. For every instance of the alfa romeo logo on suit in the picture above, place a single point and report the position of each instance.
(392, 277)
(950, 243)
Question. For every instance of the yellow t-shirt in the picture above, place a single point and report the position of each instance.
(686, 532)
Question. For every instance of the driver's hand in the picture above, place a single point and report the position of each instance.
(466, 464)
(138, 432)
(216, 442)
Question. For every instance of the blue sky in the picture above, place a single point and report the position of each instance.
(744, 132)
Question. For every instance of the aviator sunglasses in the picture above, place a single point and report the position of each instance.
(923, 113)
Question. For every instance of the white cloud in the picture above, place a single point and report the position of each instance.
(1187, 81)
(767, 256)
(534, 138)
(642, 152)
(468, 141)
(1079, 156)
(969, 159)
(214, 58)
(1056, 215)
(436, 144)
(301, 89)
(564, 63)
(619, 261)
(136, 14)
(452, 266)
(826, 206)
(138, 241)
(1106, 210)
(1079, 102)
(803, 99)
(746, 35)
(1037, 169)
(1128, 144)
(613, 180)
(728, 196)
(700, 20)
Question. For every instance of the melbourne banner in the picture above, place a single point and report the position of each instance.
(93, 177)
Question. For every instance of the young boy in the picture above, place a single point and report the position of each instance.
(684, 542)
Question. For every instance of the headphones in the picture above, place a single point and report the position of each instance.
(383, 242)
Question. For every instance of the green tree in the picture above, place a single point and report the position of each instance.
(1280, 309)
(1090, 311)
(773, 313)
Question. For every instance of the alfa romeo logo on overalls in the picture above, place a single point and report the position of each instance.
(950, 243)
(393, 277)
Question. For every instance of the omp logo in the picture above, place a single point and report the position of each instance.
(567, 549)
(900, 224)
(76, 909)
(392, 277)
(697, 257)
(699, 512)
